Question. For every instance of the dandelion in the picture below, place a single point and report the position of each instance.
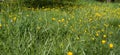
(103, 41)
(97, 14)
(110, 45)
(62, 20)
(65, 25)
(43, 7)
(14, 19)
(59, 21)
(0, 26)
(119, 26)
(102, 30)
(53, 19)
(85, 31)
(69, 53)
(97, 34)
(27, 15)
(93, 39)
(80, 20)
(104, 36)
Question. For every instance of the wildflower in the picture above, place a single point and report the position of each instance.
(119, 26)
(102, 30)
(43, 7)
(103, 41)
(104, 36)
(80, 20)
(69, 53)
(85, 31)
(27, 15)
(110, 45)
(93, 38)
(97, 34)
(14, 19)
(53, 19)
(62, 20)
(59, 21)
(0, 26)
(97, 14)
(65, 25)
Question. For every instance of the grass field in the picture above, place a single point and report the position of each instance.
(88, 28)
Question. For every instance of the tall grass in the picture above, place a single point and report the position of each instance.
(87, 29)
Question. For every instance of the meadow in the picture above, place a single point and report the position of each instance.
(87, 28)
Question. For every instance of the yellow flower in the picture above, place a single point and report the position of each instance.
(62, 20)
(97, 34)
(93, 39)
(43, 7)
(65, 25)
(69, 53)
(77, 38)
(110, 45)
(80, 20)
(0, 26)
(103, 41)
(104, 36)
(102, 30)
(97, 14)
(53, 19)
(27, 15)
(14, 19)
(85, 31)
(119, 26)
(59, 21)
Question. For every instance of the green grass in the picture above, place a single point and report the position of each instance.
(56, 31)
